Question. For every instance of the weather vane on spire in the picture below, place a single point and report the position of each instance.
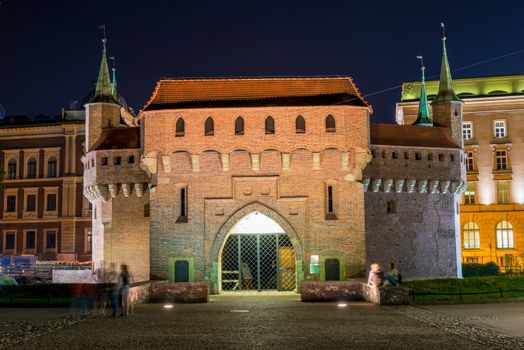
(421, 58)
(443, 30)
(102, 27)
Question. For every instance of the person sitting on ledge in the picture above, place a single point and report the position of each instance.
(376, 276)
(392, 276)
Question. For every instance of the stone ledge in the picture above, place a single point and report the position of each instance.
(353, 290)
(180, 292)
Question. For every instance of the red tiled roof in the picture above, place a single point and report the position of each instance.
(409, 135)
(170, 92)
(118, 138)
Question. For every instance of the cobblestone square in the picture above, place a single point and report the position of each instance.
(264, 322)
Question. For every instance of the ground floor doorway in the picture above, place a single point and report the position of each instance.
(258, 261)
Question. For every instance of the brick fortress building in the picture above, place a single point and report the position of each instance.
(257, 183)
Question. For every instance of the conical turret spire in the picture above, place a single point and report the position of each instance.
(103, 90)
(445, 88)
(423, 116)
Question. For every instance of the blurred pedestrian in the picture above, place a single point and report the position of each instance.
(125, 281)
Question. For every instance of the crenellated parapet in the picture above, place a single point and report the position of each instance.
(406, 185)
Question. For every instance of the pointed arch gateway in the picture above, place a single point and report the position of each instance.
(246, 257)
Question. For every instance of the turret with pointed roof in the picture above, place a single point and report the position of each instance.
(102, 109)
(104, 87)
(423, 116)
(445, 88)
(447, 107)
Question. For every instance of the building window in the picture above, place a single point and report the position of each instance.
(30, 240)
(469, 162)
(330, 124)
(31, 202)
(300, 125)
(383, 154)
(503, 192)
(51, 167)
(467, 130)
(270, 125)
(330, 203)
(239, 126)
(103, 161)
(31, 168)
(394, 155)
(11, 169)
(418, 156)
(51, 202)
(180, 127)
(117, 160)
(472, 260)
(392, 207)
(11, 204)
(182, 205)
(471, 236)
(430, 156)
(441, 157)
(469, 194)
(9, 241)
(50, 240)
(504, 235)
(88, 241)
(451, 157)
(501, 160)
(209, 127)
(147, 210)
(406, 155)
(499, 128)
(131, 160)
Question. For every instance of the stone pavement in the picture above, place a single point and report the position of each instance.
(266, 322)
(506, 318)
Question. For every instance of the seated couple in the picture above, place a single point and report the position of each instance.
(378, 278)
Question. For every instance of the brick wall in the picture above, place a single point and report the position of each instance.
(227, 176)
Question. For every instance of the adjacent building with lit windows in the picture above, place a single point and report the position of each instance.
(42, 209)
(492, 210)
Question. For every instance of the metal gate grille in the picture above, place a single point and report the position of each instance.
(258, 262)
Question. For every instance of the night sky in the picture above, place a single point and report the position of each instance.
(50, 50)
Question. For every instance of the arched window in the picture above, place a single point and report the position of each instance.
(270, 125)
(300, 125)
(31, 168)
(51, 167)
(330, 124)
(239, 126)
(505, 235)
(471, 236)
(180, 127)
(209, 127)
(11, 169)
